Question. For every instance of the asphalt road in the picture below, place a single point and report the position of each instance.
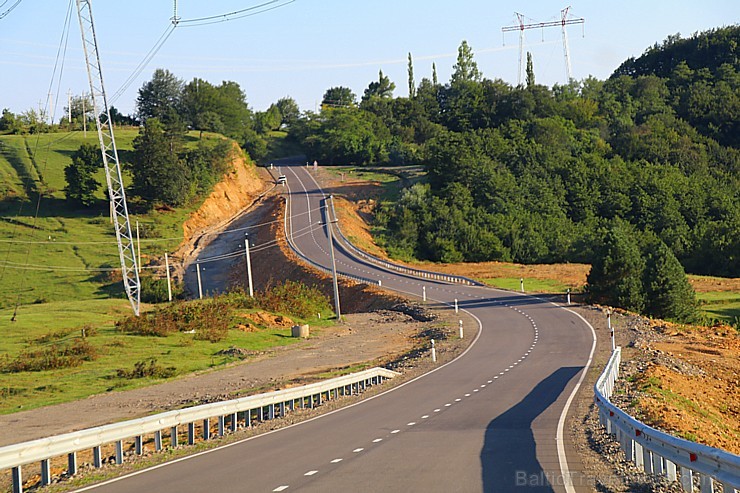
(491, 420)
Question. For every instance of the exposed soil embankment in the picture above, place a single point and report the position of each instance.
(237, 191)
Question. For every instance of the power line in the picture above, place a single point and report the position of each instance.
(148, 240)
(237, 14)
(144, 62)
(10, 9)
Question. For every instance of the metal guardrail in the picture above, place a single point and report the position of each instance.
(263, 406)
(424, 274)
(659, 453)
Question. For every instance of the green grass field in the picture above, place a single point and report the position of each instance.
(62, 252)
(722, 305)
(41, 326)
(530, 285)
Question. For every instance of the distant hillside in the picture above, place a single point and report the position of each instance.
(701, 73)
(708, 50)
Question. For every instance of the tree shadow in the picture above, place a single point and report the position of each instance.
(509, 455)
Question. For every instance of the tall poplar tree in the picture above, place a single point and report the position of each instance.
(412, 83)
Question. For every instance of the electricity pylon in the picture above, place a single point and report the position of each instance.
(564, 21)
(111, 163)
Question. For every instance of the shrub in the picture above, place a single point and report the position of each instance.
(52, 358)
(142, 370)
(293, 298)
(154, 290)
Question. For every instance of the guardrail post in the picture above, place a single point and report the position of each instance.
(17, 480)
(639, 455)
(628, 445)
(705, 484)
(119, 452)
(72, 463)
(139, 444)
(670, 470)
(46, 472)
(248, 418)
(158, 440)
(647, 460)
(261, 414)
(206, 429)
(173, 436)
(657, 464)
(233, 423)
(687, 479)
(271, 411)
(282, 409)
(191, 433)
(221, 425)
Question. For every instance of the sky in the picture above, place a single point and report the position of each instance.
(303, 47)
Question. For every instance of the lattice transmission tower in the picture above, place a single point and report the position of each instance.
(108, 149)
(565, 20)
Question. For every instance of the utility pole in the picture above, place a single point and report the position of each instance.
(249, 265)
(109, 152)
(564, 21)
(337, 308)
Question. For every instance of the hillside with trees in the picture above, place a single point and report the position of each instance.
(533, 174)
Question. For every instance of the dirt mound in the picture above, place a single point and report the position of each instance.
(268, 319)
(683, 380)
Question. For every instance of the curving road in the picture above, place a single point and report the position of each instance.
(491, 420)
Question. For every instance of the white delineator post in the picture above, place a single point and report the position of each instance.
(423, 293)
(249, 265)
(434, 353)
(609, 326)
(521, 283)
(456, 307)
(568, 293)
(461, 329)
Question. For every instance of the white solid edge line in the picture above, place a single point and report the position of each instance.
(562, 459)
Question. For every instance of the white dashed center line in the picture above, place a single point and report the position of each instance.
(358, 450)
(336, 460)
(310, 473)
(281, 488)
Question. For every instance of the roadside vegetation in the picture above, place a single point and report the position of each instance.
(49, 357)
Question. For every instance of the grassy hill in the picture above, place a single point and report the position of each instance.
(62, 252)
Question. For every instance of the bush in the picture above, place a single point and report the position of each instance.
(210, 316)
(142, 370)
(52, 358)
(154, 290)
(293, 298)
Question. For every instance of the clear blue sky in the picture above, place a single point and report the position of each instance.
(303, 48)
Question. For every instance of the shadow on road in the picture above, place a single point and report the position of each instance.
(508, 459)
